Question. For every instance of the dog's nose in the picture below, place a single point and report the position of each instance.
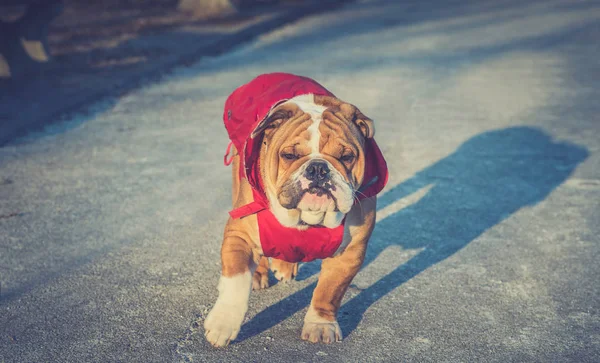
(317, 171)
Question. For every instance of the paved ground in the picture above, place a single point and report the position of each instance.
(487, 243)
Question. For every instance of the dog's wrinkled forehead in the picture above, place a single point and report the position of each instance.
(308, 105)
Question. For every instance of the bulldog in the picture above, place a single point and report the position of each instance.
(306, 172)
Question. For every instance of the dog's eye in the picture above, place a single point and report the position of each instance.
(348, 158)
(288, 156)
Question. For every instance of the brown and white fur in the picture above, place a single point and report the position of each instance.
(304, 130)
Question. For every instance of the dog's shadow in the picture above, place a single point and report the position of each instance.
(487, 179)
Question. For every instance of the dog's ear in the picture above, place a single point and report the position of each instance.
(348, 112)
(277, 116)
(353, 114)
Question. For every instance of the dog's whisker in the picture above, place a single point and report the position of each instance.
(359, 202)
(358, 191)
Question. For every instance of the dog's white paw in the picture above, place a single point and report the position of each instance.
(222, 324)
(317, 329)
(322, 332)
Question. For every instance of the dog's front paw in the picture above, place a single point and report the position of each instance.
(222, 324)
(260, 279)
(284, 271)
(322, 332)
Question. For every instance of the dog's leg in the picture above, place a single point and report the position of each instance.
(320, 323)
(260, 280)
(223, 323)
(284, 271)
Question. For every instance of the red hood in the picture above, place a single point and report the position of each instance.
(249, 104)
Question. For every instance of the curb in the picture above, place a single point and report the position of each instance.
(11, 129)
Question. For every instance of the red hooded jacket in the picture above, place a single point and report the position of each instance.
(245, 108)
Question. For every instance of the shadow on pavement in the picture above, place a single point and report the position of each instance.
(486, 180)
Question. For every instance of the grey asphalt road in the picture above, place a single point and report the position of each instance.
(487, 242)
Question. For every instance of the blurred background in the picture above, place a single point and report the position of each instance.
(56, 55)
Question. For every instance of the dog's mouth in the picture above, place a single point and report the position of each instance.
(318, 192)
(314, 203)
(316, 199)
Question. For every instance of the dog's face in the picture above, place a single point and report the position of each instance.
(312, 159)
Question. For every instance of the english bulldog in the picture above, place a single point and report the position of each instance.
(306, 172)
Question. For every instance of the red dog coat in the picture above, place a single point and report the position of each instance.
(245, 108)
